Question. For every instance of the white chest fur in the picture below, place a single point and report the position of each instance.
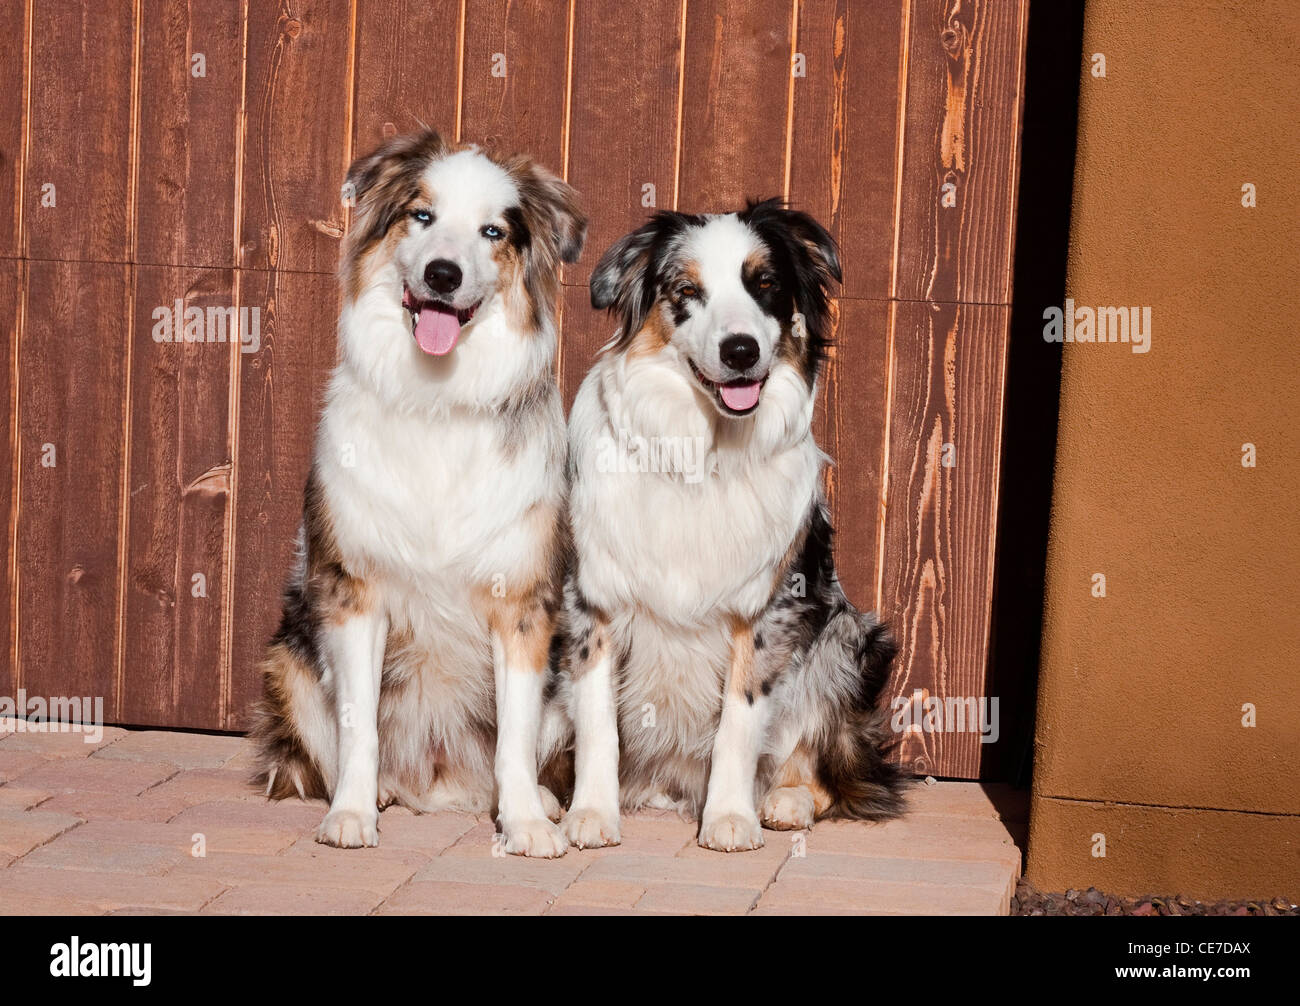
(689, 547)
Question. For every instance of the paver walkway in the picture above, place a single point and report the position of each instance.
(152, 821)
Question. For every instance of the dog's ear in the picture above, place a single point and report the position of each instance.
(552, 207)
(623, 281)
(814, 260)
(548, 227)
(380, 185)
(813, 250)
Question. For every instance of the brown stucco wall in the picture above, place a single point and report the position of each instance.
(1139, 732)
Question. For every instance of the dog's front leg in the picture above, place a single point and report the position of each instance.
(592, 820)
(521, 637)
(730, 822)
(353, 648)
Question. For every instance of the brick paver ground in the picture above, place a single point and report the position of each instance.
(157, 821)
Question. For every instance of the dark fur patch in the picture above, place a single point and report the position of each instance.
(546, 228)
(805, 260)
(628, 277)
(382, 186)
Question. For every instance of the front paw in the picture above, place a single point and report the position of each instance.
(731, 832)
(349, 829)
(788, 808)
(592, 829)
(538, 838)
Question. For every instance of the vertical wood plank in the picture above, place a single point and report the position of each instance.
(80, 130)
(940, 529)
(624, 105)
(855, 402)
(585, 331)
(406, 69)
(189, 132)
(735, 102)
(965, 67)
(296, 139)
(280, 394)
(514, 78)
(11, 292)
(72, 392)
(179, 489)
(13, 108)
(843, 164)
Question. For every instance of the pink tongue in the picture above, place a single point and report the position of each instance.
(436, 331)
(740, 397)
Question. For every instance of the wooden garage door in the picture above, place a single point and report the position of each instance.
(160, 150)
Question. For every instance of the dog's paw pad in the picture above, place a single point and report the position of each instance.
(540, 839)
(349, 829)
(591, 829)
(789, 808)
(731, 832)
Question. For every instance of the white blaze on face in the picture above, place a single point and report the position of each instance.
(470, 193)
(719, 249)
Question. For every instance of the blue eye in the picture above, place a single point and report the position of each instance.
(423, 216)
(492, 232)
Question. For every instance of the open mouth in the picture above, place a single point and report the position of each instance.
(435, 325)
(734, 398)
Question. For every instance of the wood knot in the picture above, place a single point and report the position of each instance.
(328, 227)
(951, 38)
(292, 27)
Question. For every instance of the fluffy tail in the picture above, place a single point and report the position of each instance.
(853, 765)
(289, 722)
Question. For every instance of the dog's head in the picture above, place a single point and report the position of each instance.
(728, 298)
(460, 228)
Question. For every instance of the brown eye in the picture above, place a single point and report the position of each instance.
(766, 282)
(687, 291)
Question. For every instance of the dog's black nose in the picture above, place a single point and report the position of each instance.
(442, 275)
(739, 352)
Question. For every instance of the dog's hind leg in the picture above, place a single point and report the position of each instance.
(796, 797)
(294, 732)
(353, 650)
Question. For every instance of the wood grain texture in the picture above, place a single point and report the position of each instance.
(296, 133)
(188, 132)
(13, 107)
(279, 395)
(72, 394)
(965, 66)
(623, 131)
(515, 77)
(845, 133)
(407, 68)
(178, 491)
(939, 532)
(852, 429)
(735, 102)
(80, 131)
(585, 331)
(12, 275)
